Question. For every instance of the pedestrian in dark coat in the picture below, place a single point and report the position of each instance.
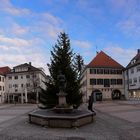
(90, 103)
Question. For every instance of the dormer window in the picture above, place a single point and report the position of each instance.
(21, 69)
(133, 61)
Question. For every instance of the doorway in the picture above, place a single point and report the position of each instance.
(116, 95)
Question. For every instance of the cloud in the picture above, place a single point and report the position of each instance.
(46, 25)
(120, 54)
(130, 27)
(15, 51)
(12, 60)
(21, 42)
(125, 6)
(90, 7)
(50, 18)
(14, 41)
(43, 24)
(8, 7)
(129, 22)
(82, 44)
(16, 29)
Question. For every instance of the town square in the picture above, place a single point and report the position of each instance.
(114, 120)
(69, 70)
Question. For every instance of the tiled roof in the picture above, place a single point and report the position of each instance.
(103, 60)
(31, 68)
(4, 70)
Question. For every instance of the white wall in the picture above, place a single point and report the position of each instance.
(136, 74)
(2, 91)
(106, 91)
(10, 88)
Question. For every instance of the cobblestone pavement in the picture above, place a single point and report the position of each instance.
(105, 126)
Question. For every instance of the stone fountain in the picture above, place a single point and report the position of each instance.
(62, 116)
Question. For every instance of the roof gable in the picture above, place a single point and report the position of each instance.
(103, 60)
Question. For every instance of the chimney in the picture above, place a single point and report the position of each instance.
(30, 63)
(138, 51)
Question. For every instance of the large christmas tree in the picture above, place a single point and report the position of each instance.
(62, 58)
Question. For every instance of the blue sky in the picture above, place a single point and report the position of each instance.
(29, 29)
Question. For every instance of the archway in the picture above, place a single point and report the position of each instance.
(116, 95)
(97, 95)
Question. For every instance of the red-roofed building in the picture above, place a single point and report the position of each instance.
(103, 60)
(103, 78)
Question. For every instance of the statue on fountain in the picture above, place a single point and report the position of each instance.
(61, 95)
(62, 82)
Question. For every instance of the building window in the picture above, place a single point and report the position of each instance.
(0, 78)
(10, 86)
(22, 85)
(15, 85)
(132, 70)
(119, 71)
(0, 88)
(106, 71)
(16, 90)
(10, 77)
(28, 84)
(130, 81)
(21, 77)
(3, 88)
(119, 82)
(138, 68)
(35, 84)
(99, 81)
(27, 76)
(34, 76)
(16, 77)
(3, 79)
(126, 72)
(92, 71)
(100, 71)
(113, 81)
(111, 71)
(92, 81)
(135, 80)
(106, 83)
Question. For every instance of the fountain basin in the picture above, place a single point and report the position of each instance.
(62, 110)
(50, 118)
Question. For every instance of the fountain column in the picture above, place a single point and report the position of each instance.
(61, 95)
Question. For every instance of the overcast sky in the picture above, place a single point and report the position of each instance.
(29, 29)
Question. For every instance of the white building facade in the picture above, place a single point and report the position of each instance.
(132, 78)
(23, 83)
(2, 88)
(103, 79)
